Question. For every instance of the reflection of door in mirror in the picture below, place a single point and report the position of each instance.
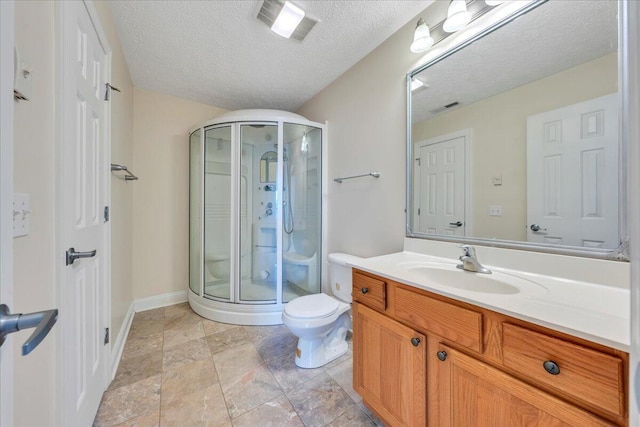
(440, 199)
(572, 168)
(268, 166)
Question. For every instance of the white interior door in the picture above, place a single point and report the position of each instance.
(439, 185)
(84, 185)
(6, 197)
(572, 165)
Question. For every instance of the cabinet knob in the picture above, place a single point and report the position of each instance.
(442, 355)
(551, 367)
(364, 290)
(415, 341)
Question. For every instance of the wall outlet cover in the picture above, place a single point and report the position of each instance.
(495, 210)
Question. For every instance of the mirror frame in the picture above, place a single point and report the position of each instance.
(620, 253)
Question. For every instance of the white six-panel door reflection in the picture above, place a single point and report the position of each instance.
(572, 175)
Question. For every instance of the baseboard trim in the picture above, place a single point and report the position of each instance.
(118, 345)
(140, 304)
(157, 301)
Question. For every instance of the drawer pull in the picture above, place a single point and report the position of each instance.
(442, 355)
(551, 367)
(364, 290)
(415, 341)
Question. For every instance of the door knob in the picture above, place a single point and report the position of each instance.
(43, 321)
(456, 224)
(536, 227)
(72, 255)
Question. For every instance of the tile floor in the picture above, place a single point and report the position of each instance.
(179, 369)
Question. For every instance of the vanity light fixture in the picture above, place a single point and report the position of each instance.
(422, 39)
(457, 16)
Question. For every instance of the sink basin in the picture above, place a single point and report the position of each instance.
(447, 275)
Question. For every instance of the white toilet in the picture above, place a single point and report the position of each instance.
(321, 322)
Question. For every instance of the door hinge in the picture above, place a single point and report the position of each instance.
(419, 161)
(418, 211)
(106, 336)
(106, 214)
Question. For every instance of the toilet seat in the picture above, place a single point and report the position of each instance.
(312, 306)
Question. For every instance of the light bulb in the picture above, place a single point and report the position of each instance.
(422, 40)
(457, 16)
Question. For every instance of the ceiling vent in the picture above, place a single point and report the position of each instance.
(445, 108)
(269, 12)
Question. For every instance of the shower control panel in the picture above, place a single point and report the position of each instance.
(268, 209)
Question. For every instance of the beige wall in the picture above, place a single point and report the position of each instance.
(366, 112)
(34, 173)
(499, 139)
(161, 196)
(35, 391)
(121, 207)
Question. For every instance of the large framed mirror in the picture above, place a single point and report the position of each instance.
(513, 137)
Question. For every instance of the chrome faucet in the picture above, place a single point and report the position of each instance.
(470, 262)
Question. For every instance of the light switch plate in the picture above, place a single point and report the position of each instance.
(21, 214)
(495, 210)
(497, 180)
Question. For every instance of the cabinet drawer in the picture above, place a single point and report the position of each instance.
(454, 323)
(584, 374)
(369, 291)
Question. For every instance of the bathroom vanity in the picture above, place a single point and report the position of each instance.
(425, 355)
(544, 339)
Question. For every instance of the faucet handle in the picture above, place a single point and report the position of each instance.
(468, 250)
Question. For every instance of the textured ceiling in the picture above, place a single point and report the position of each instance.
(553, 37)
(219, 53)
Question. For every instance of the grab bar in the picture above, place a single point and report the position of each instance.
(128, 177)
(373, 174)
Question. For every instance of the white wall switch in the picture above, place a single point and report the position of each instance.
(497, 179)
(495, 210)
(21, 213)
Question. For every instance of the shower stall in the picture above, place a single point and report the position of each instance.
(256, 214)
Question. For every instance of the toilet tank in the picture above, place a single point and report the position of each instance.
(340, 275)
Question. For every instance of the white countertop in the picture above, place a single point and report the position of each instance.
(594, 312)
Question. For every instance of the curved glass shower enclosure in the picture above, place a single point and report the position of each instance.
(255, 224)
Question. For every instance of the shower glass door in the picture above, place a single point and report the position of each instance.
(301, 205)
(217, 212)
(258, 212)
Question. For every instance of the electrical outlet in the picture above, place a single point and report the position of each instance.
(495, 210)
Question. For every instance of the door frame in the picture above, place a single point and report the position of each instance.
(7, 13)
(629, 80)
(467, 134)
(62, 132)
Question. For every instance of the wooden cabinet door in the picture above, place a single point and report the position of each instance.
(476, 394)
(389, 367)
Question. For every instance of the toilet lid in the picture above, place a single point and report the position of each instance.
(312, 306)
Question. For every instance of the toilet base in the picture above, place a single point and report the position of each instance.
(313, 352)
